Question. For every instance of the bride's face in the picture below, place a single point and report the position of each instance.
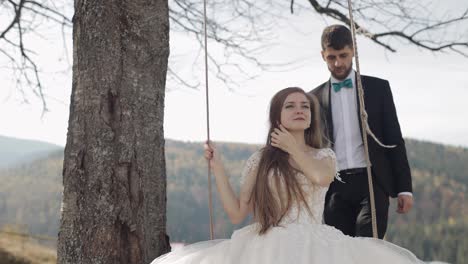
(295, 112)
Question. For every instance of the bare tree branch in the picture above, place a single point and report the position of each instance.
(238, 31)
(180, 80)
(405, 20)
(25, 18)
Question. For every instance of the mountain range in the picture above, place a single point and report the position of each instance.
(436, 229)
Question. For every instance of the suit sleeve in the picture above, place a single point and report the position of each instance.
(392, 136)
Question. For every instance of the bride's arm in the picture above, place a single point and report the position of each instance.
(236, 208)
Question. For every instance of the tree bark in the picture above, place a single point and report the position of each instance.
(114, 175)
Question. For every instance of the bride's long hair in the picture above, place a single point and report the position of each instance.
(274, 163)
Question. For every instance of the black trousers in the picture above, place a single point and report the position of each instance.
(347, 206)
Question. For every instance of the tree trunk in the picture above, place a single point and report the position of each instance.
(114, 174)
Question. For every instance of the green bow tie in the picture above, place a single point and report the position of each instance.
(348, 83)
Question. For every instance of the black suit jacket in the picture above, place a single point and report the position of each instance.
(390, 167)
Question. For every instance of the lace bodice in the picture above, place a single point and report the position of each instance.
(315, 195)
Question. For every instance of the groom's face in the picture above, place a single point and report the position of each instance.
(339, 62)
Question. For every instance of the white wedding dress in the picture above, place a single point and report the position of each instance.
(301, 238)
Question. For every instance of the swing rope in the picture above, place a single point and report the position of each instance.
(363, 115)
(365, 125)
(210, 197)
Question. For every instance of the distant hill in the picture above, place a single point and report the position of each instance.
(437, 228)
(14, 151)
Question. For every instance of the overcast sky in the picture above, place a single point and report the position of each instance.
(430, 90)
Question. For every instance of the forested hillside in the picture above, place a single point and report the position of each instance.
(437, 227)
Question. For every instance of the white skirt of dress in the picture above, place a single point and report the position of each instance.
(295, 243)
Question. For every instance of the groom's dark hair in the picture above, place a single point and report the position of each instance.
(336, 37)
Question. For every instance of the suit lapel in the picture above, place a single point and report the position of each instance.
(358, 104)
(327, 104)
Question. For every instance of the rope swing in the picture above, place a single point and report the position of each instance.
(210, 196)
(363, 116)
(365, 125)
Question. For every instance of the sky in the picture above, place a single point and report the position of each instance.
(430, 89)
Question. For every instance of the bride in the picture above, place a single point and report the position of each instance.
(284, 185)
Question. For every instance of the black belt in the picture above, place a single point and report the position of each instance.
(353, 171)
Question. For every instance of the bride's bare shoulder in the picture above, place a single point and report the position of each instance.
(320, 153)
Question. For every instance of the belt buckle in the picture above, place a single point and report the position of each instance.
(352, 171)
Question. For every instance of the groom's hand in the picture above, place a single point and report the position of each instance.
(405, 203)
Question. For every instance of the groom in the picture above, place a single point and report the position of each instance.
(347, 205)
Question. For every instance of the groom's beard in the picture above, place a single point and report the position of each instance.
(340, 73)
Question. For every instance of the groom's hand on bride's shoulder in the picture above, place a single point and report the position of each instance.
(405, 203)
